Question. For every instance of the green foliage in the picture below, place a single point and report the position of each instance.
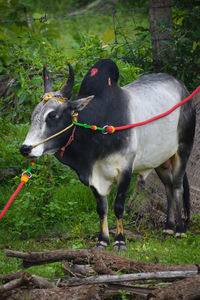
(11, 137)
(27, 56)
(53, 200)
(185, 61)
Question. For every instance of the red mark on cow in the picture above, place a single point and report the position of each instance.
(94, 71)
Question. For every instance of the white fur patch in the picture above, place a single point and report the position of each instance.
(107, 171)
(157, 141)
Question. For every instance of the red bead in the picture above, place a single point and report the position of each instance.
(110, 129)
(94, 127)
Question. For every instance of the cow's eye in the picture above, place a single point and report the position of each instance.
(52, 115)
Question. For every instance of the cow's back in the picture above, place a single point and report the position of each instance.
(149, 96)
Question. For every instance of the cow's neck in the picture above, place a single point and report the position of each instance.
(88, 146)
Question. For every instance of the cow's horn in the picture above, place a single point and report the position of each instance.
(66, 91)
(47, 83)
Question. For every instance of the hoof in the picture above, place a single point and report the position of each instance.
(101, 245)
(180, 235)
(168, 232)
(119, 246)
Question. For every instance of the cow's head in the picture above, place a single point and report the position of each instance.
(50, 116)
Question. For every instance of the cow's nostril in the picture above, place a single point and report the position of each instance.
(25, 150)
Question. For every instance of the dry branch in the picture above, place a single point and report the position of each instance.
(83, 257)
(11, 276)
(11, 285)
(37, 281)
(27, 279)
(130, 277)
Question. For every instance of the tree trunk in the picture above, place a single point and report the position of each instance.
(160, 28)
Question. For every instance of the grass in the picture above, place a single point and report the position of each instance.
(150, 249)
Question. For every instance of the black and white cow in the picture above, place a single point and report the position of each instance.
(103, 159)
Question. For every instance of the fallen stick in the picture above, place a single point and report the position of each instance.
(130, 277)
(110, 261)
(11, 276)
(11, 285)
(27, 279)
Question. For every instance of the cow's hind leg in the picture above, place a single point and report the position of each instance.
(123, 187)
(186, 130)
(165, 174)
(181, 196)
(102, 210)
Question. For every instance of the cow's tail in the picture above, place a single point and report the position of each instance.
(186, 199)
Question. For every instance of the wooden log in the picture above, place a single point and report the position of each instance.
(186, 289)
(130, 277)
(13, 284)
(111, 261)
(27, 279)
(37, 281)
(11, 276)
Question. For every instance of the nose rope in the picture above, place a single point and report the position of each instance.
(74, 119)
(52, 136)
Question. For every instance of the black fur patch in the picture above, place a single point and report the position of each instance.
(108, 107)
(96, 80)
(187, 122)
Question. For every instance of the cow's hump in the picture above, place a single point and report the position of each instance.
(102, 75)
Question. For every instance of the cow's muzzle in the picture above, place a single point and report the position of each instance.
(25, 150)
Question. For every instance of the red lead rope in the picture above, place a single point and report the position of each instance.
(111, 129)
(158, 116)
(24, 179)
(11, 199)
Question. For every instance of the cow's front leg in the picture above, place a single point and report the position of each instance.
(119, 203)
(102, 210)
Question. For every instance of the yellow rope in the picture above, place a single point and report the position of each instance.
(52, 136)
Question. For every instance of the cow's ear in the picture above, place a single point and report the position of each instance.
(80, 104)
